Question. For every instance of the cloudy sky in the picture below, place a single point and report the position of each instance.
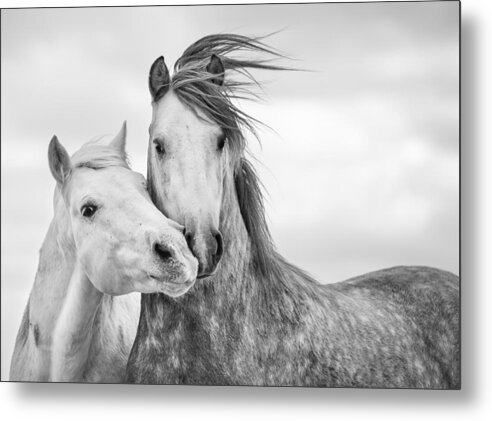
(361, 168)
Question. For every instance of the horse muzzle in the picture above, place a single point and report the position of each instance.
(207, 248)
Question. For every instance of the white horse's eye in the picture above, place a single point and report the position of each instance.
(88, 211)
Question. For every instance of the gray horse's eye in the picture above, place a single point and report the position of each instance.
(159, 146)
(221, 142)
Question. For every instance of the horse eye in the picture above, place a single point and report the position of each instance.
(159, 148)
(88, 211)
(221, 142)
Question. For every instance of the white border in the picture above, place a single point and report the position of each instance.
(122, 402)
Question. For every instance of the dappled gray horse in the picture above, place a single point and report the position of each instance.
(252, 318)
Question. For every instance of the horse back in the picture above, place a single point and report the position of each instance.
(426, 301)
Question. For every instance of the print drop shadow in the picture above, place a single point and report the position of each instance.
(106, 394)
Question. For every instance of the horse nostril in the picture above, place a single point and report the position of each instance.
(188, 238)
(163, 252)
(219, 250)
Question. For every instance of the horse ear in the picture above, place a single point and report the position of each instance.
(119, 142)
(158, 79)
(59, 160)
(216, 67)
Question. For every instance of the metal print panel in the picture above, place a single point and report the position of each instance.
(298, 224)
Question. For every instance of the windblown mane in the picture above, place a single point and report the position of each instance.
(195, 86)
(266, 260)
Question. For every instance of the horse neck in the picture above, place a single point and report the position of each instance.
(60, 289)
(252, 275)
(248, 271)
(55, 268)
(74, 329)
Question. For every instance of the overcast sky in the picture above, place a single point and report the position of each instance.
(361, 171)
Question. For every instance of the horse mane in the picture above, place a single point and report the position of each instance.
(250, 199)
(195, 86)
(267, 261)
(97, 156)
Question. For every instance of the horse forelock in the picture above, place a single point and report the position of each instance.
(98, 156)
(195, 86)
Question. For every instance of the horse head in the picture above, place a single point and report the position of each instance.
(188, 157)
(120, 239)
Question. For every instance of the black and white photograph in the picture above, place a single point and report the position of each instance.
(232, 195)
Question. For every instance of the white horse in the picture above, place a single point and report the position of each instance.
(106, 239)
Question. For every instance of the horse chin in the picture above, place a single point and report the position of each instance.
(175, 290)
